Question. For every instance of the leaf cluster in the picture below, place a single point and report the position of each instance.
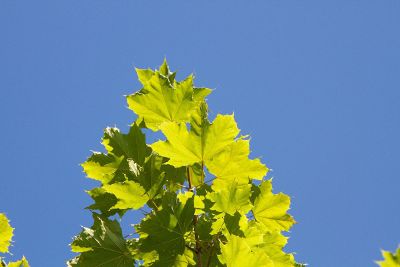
(204, 201)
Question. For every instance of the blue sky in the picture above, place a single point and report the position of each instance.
(315, 83)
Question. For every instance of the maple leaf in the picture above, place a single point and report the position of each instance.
(390, 259)
(21, 263)
(236, 252)
(129, 194)
(166, 230)
(6, 233)
(231, 199)
(271, 209)
(163, 99)
(101, 245)
(184, 148)
(125, 154)
(233, 164)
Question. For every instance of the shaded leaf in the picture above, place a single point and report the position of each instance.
(101, 245)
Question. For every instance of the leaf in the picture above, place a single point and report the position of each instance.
(186, 259)
(162, 99)
(271, 243)
(165, 231)
(103, 202)
(152, 177)
(126, 153)
(270, 209)
(101, 167)
(130, 195)
(231, 199)
(21, 263)
(129, 173)
(6, 233)
(236, 252)
(390, 259)
(101, 245)
(132, 145)
(233, 164)
(184, 148)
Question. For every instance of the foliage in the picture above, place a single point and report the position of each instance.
(205, 202)
(390, 259)
(6, 235)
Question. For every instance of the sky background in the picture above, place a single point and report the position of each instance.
(315, 83)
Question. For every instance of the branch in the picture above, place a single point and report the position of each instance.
(198, 247)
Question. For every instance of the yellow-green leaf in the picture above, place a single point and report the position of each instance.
(271, 209)
(236, 252)
(6, 233)
(232, 198)
(21, 263)
(130, 195)
(162, 99)
(390, 259)
(233, 164)
(101, 167)
(184, 148)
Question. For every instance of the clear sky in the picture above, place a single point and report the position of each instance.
(315, 83)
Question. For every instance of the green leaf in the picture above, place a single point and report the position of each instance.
(271, 243)
(271, 209)
(101, 245)
(152, 177)
(236, 252)
(185, 259)
(103, 202)
(130, 195)
(162, 99)
(101, 167)
(6, 233)
(390, 259)
(184, 148)
(21, 263)
(126, 153)
(233, 164)
(166, 231)
(132, 145)
(233, 198)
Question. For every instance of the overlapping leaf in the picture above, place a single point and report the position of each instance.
(129, 173)
(232, 198)
(184, 148)
(167, 231)
(233, 164)
(125, 154)
(101, 245)
(163, 99)
(271, 209)
(21, 263)
(236, 252)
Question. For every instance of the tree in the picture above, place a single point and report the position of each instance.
(205, 202)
